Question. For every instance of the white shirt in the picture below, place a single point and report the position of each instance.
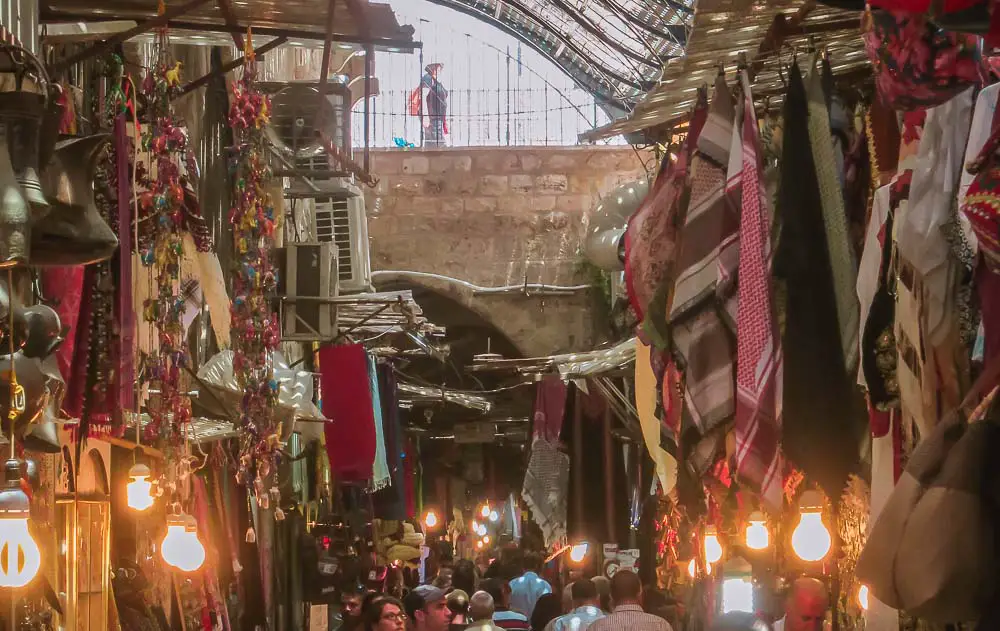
(526, 590)
(630, 618)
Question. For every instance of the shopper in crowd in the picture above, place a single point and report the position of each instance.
(503, 616)
(547, 609)
(585, 609)
(351, 599)
(805, 606)
(481, 610)
(627, 615)
(384, 613)
(603, 592)
(464, 576)
(427, 609)
(527, 586)
(739, 621)
(458, 604)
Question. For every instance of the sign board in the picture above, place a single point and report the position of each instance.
(616, 560)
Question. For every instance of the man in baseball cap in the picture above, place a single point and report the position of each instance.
(427, 608)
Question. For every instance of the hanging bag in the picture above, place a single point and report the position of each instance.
(932, 552)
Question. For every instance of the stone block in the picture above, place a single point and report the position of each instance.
(462, 164)
(434, 186)
(487, 161)
(416, 165)
(544, 203)
(460, 184)
(514, 204)
(406, 186)
(452, 207)
(480, 204)
(423, 204)
(493, 185)
(386, 162)
(574, 203)
(521, 183)
(562, 162)
(510, 161)
(602, 161)
(530, 163)
(552, 183)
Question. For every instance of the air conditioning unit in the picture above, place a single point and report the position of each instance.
(330, 196)
(308, 279)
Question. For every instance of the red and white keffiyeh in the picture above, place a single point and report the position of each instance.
(758, 367)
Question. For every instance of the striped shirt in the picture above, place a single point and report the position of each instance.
(630, 618)
(511, 620)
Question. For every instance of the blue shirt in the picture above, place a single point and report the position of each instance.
(525, 592)
(577, 620)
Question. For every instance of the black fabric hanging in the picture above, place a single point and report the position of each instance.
(821, 431)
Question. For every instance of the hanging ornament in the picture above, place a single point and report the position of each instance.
(254, 325)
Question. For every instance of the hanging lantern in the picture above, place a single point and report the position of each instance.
(139, 489)
(430, 520)
(484, 511)
(578, 552)
(863, 597)
(494, 516)
(811, 540)
(757, 537)
(479, 545)
(181, 547)
(20, 557)
(486, 540)
(713, 549)
(475, 526)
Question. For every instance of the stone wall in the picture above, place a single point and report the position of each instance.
(497, 217)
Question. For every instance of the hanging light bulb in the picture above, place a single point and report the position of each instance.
(486, 540)
(20, 557)
(181, 547)
(578, 552)
(494, 516)
(139, 488)
(713, 549)
(692, 568)
(757, 537)
(863, 597)
(811, 540)
(479, 545)
(475, 526)
(484, 512)
(430, 520)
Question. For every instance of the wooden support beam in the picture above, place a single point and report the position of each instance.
(327, 44)
(232, 65)
(119, 38)
(227, 13)
(360, 16)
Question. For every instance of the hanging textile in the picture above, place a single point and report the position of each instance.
(871, 260)
(651, 236)
(665, 465)
(390, 502)
(758, 369)
(380, 469)
(546, 489)
(819, 405)
(701, 315)
(841, 254)
(347, 401)
(550, 406)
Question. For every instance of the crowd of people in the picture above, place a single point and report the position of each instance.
(458, 599)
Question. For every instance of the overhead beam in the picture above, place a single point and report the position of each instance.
(118, 38)
(227, 14)
(401, 45)
(232, 65)
(594, 30)
(361, 16)
(324, 72)
(670, 35)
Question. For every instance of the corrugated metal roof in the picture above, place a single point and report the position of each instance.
(725, 28)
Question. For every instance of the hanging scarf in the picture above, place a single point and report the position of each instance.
(347, 401)
(700, 317)
(758, 369)
(550, 405)
(841, 254)
(651, 236)
(380, 468)
(665, 466)
(546, 488)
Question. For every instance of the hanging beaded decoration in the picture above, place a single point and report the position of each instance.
(254, 324)
(161, 208)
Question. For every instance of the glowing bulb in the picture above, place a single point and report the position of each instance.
(811, 540)
(494, 516)
(692, 568)
(737, 595)
(863, 597)
(479, 545)
(20, 558)
(139, 488)
(708, 569)
(578, 552)
(486, 540)
(181, 547)
(484, 512)
(475, 526)
(431, 519)
(757, 536)
(713, 549)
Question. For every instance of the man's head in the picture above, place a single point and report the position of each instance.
(626, 588)
(428, 609)
(350, 606)
(806, 605)
(499, 589)
(603, 591)
(481, 606)
(585, 593)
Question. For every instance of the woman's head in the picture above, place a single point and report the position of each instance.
(384, 613)
(547, 608)
(464, 577)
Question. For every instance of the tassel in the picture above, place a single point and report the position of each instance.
(251, 535)
(279, 515)
(237, 566)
